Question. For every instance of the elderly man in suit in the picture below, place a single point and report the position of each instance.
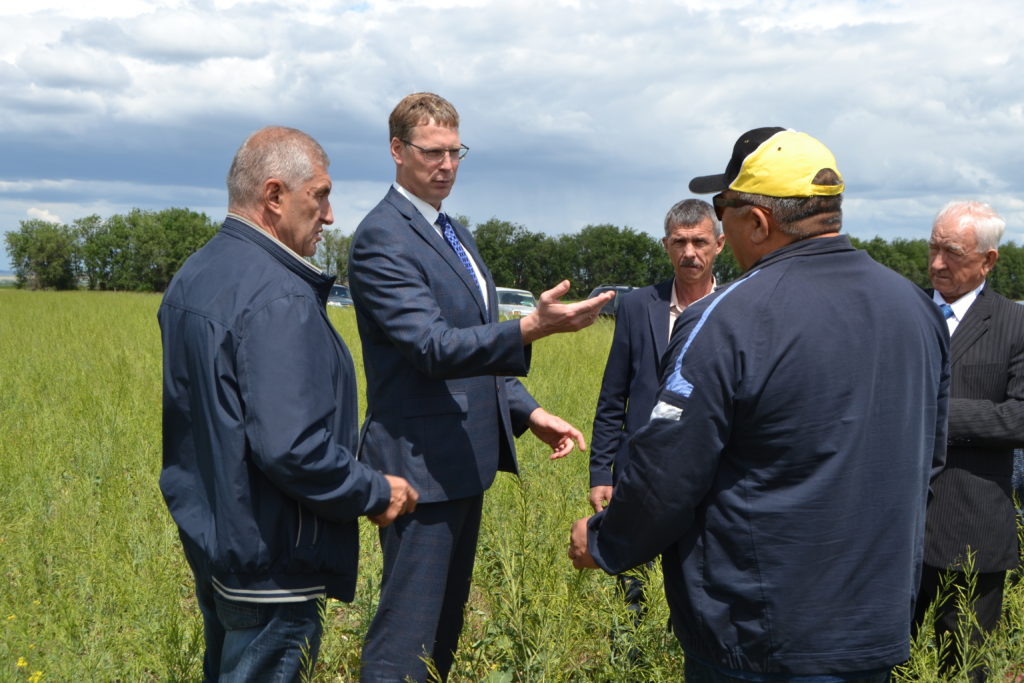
(643, 325)
(972, 510)
(443, 405)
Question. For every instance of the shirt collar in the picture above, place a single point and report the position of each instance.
(961, 305)
(674, 301)
(428, 212)
(246, 221)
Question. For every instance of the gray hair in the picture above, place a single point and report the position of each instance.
(988, 225)
(691, 212)
(289, 155)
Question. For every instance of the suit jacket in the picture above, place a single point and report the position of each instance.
(442, 407)
(972, 505)
(630, 381)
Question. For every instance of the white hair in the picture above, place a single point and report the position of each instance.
(988, 225)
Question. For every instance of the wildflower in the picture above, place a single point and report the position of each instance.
(37, 602)
(35, 677)
(10, 617)
(22, 663)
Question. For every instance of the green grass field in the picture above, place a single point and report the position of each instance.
(95, 588)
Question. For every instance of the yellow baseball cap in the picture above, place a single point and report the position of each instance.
(775, 162)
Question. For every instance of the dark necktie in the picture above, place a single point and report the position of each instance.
(453, 240)
(947, 310)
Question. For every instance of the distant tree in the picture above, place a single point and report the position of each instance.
(1007, 277)
(726, 269)
(909, 258)
(43, 255)
(95, 251)
(608, 254)
(332, 253)
(142, 250)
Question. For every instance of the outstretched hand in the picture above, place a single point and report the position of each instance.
(555, 432)
(552, 316)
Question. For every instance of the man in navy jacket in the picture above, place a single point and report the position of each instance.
(643, 324)
(444, 406)
(784, 472)
(260, 420)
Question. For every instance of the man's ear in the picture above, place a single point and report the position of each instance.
(762, 229)
(273, 191)
(396, 148)
(991, 256)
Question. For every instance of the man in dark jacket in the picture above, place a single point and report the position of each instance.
(972, 513)
(643, 324)
(784, 472)
(443, 403)
(260, 420)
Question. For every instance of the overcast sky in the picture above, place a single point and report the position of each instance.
(577, 113)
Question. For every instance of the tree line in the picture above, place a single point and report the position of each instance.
(141, 251)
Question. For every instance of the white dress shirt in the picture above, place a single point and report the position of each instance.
(959, 306)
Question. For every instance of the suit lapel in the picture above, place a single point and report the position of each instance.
(657, 313)
(436, 242)
(973, 327)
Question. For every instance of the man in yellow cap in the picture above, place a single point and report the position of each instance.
(784, 472)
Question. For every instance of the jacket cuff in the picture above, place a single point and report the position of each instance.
(380, 495)
(600, 477)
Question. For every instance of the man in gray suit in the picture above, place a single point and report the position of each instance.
(443, 404)
(972, 509)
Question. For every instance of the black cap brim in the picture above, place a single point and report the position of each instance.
(747, 143)
(706, 184)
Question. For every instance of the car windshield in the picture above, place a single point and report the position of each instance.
(339, 290)
(516, 299)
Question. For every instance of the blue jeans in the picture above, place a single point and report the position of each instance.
(697, 671)
(250, 641)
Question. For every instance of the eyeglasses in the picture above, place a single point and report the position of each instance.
(436, 156)
(722, 203)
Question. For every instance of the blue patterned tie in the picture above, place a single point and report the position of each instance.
(947, 310)
(453, 240)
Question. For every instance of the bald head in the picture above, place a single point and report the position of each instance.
(287, 154)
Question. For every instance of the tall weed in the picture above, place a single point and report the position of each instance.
(95, 587)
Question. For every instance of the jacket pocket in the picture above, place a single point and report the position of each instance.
(307, 526)
(444, 404)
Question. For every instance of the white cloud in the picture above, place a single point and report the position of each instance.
(576, 112)
(43, 215)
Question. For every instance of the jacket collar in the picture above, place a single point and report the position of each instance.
(974, 324)
(805, 247)
(433, 238)
(243, 230)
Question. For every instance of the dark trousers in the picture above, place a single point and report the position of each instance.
(698, 671)
(428, 564)
(988, 607)
(249, 641)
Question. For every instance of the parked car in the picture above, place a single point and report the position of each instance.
(339, 296)
(515, 303)
(612, 306)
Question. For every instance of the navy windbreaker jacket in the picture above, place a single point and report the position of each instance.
(785, 470)
(260, 423)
